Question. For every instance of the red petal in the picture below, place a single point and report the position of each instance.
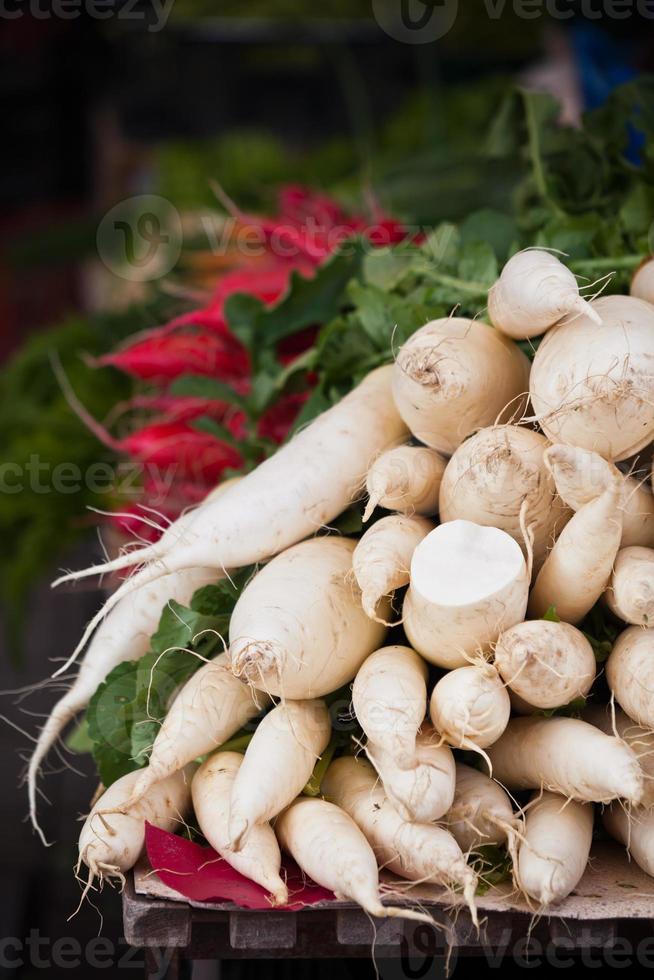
(185, 867)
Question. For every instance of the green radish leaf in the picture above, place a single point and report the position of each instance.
(551, 615)
(200, 386)
(79, 740)
(478, 264)
(493, 865)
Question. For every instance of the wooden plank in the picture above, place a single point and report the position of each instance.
(148, 922)
(262, 930)
(355, 928)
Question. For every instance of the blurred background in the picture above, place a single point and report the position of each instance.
(210, 106)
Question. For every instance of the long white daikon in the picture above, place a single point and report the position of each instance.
(498, 478)
(111, 840)
(630, 593)
(406, 479)
(534, 291)
(592, 385)
(298, 629)
(124, 635)
(304, 486)
(577, 569)
(581, 476)
(642, 281)
(470, 707)
(554, 852)
(382, 557)
(481, 812)
(547, 664)
(613, 721)
(566, 756)
(468, 585)
(454, 376)
(330, 848)
(278, 764)
(425, 792)
(389, 696)
(209, 709)
(634, 829)
(417, 851)
(259, 858)
(630, 674)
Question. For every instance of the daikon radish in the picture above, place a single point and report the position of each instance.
(566, 756)
(630, 674)
(298, 629)
(642, 281)
(630, 593)
(554, 853)
(470, 707)
(406, 479)
(481, 812)
(613, 721)
(468, 585)
(425, 792)
(635, 830)
(259, 858)
(382, 557)
(454, 376)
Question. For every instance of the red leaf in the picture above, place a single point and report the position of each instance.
(175, 447)
(164, 356)
(199, 874)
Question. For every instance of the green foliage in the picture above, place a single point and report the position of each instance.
(493, 865)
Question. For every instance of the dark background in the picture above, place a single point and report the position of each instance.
(84, 105)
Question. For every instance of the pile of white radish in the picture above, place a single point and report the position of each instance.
(496, 519)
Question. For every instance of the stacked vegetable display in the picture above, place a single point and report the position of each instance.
(488, 655)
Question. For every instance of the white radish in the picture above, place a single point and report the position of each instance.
(566, 756)
(333, 852)
(642, 281)
(534, 291)
(208, 710)
(498, 478)
(578, 568)
(418, 852)
(547, 664)
(613, 721)
(554, 853)
(630, 674)
(593, 386)
(481, 812)
(406, 479)
(382, 557)
(454, 376)
(124, 635)
(298, 629)
(111, 841)
(630, 593)
(468, 585)
(278, 764)
(635, 830)
(425, 792)
(470, 707)
(259, 859)
(389, 696)
(304, 486)
(581, 476)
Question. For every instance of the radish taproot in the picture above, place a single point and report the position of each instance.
(613, 721)
(278, 764)
(468, 585)
(208, 710)
(546, 664)
(593, 386)
(578, 568)
(124, 635)
(554, 852)
(389, 696)
(498, 478)
(382, 557)
(111, 840)
(329, 847)
(470, 707)
(634, 829)
(630, 593)
(406, 479)
(534, 291)
(425, 792)
(298, 629)
(304, 486)
(630, 674)
(481, 812)
(581, 476)
(642, 281)
(454, 376)
(417, 851)
(259, 859)
(566, 756)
